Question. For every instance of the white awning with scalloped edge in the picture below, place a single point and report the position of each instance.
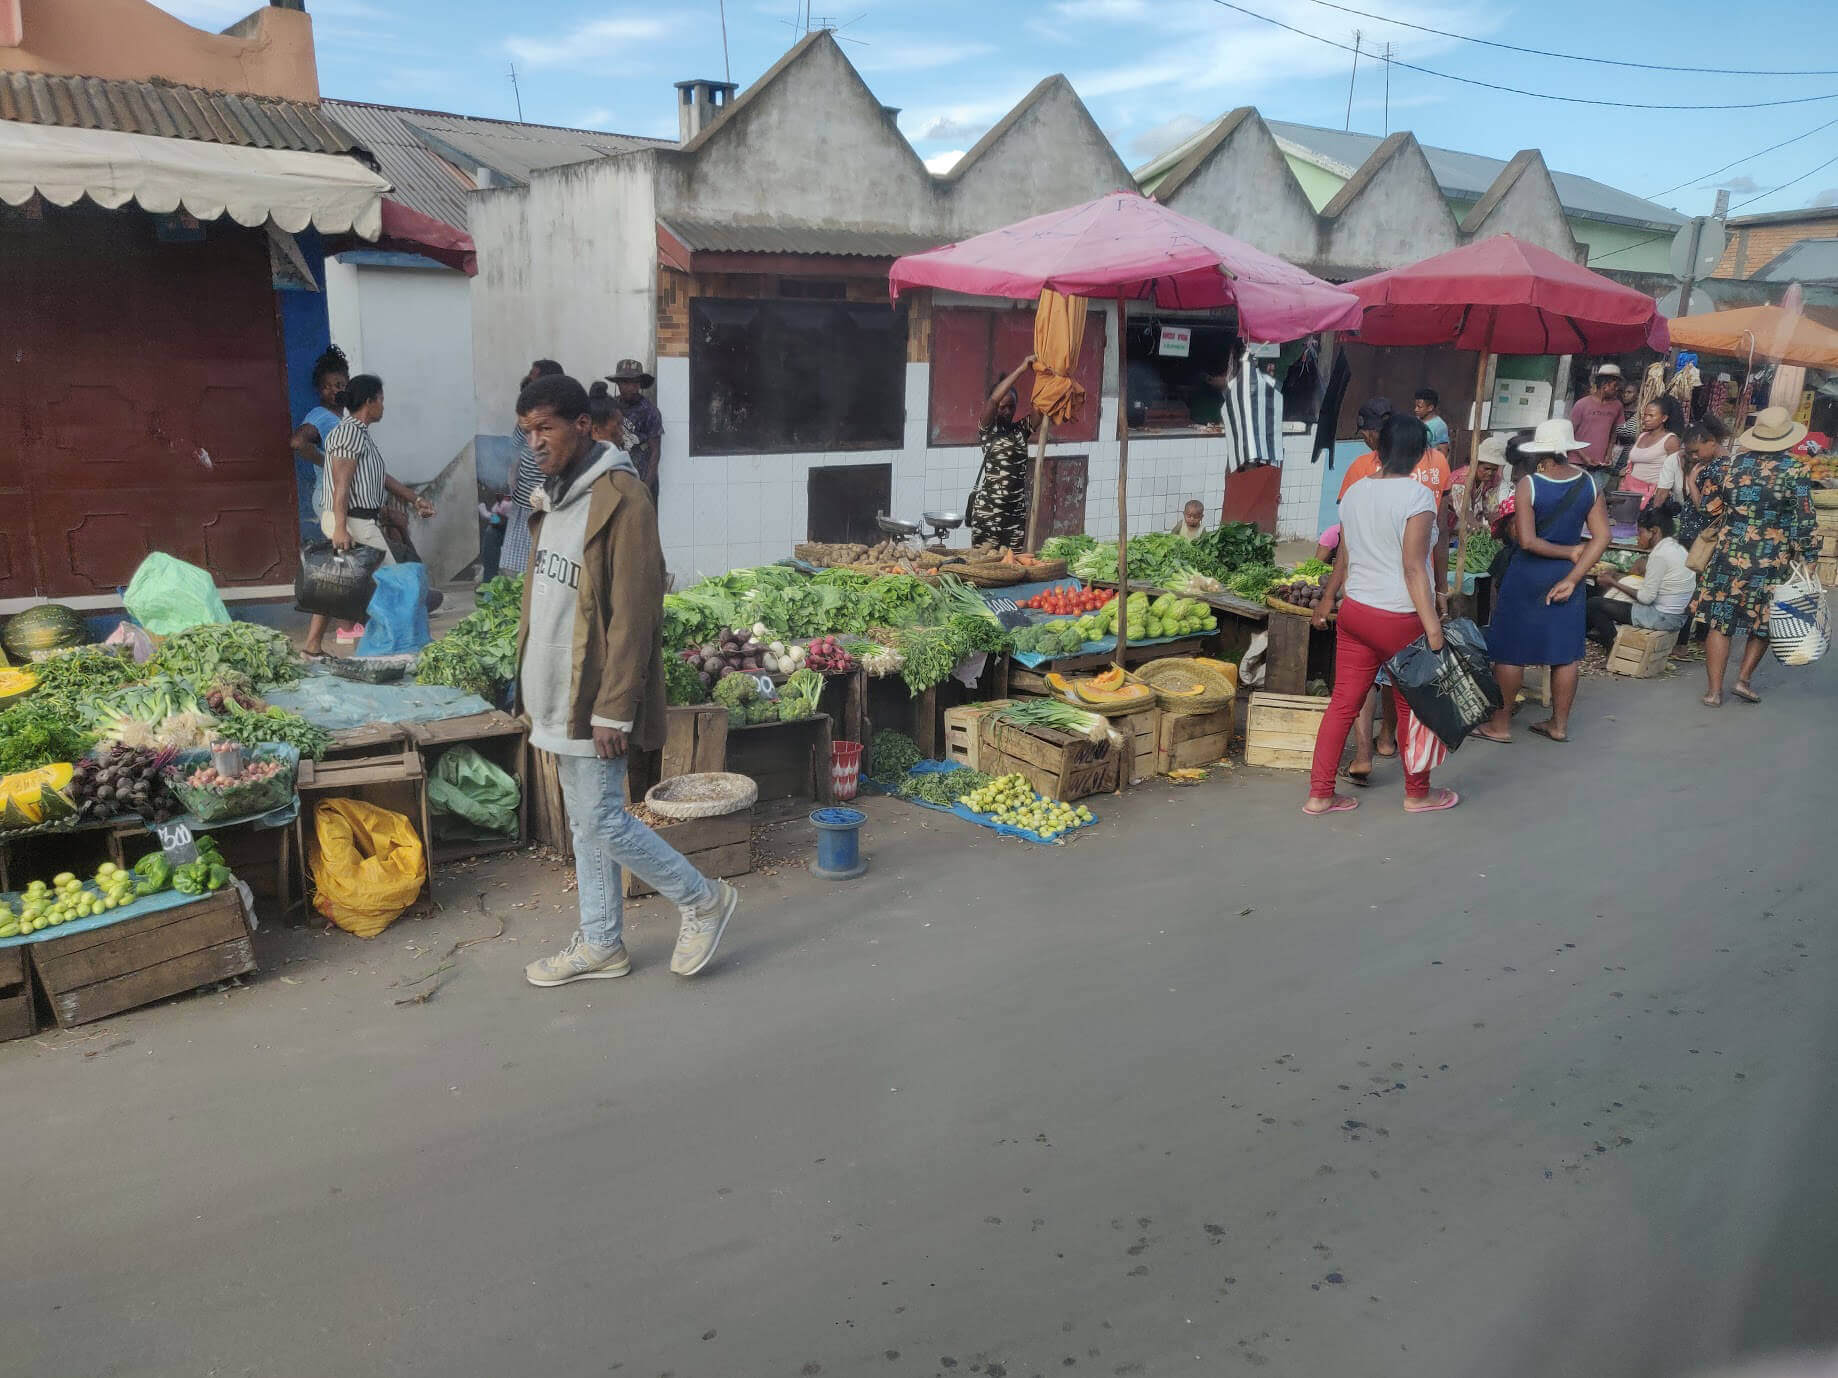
(334, 193)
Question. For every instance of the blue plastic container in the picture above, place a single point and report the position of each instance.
(839, 843)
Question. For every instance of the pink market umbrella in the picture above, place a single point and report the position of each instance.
(1503, 296)
(1125, 247)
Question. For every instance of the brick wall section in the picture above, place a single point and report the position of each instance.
(1752, 247)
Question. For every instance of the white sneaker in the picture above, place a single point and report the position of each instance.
(702, 928)
(579, 961)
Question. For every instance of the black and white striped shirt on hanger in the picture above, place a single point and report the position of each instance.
(351, 439)
(1252, 418)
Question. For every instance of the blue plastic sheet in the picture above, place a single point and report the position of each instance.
(149, 904)
(970, 815)
(334, 704)
(1098, 647)
(397, 620)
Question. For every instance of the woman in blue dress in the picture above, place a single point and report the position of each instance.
(1539, 612)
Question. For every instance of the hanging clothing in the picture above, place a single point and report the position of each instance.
(1302, 383)
(1252, 416)
(1327, 420)
(997, 506)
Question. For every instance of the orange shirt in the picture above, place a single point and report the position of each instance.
(1432, 472)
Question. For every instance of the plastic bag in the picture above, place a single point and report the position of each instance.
(1420, 749)
(470, 797)
(1799, 620)
(336, 584)
(135, 638)
(397, 620)
(1251, 665)
(167, 596)
(368, 865)
(1453, 690)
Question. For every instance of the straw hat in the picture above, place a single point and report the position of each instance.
(1493, 451)
(1774, 430)
(1554, 437)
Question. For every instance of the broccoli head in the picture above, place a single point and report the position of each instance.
(734, 690)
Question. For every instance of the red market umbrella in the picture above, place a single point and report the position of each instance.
(1503, 296)
(1125, 247)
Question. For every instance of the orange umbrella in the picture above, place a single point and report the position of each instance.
(1767, 332)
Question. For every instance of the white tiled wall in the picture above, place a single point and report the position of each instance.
(721, 512)
(1299, 500)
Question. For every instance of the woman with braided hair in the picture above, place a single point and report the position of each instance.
(997, 508)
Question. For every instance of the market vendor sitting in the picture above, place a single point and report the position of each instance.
(1491, 488)
(1192, 522)
(1664, 593)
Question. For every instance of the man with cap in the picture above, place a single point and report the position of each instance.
(644, 424)
(1594, 419)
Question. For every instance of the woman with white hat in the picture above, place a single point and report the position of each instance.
(1491, 487)
(1760, 502)
(1539, 616)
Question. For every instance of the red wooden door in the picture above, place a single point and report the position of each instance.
(142, 405)
(974, 347)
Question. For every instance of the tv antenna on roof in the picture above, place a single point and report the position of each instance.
(805, 22)
(517, 93)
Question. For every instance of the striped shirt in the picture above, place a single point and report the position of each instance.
(1252, 417)
(351, 439)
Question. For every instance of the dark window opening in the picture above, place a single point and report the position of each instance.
(781, 376)
(814, 289)
(842, 501)
(1167, 375)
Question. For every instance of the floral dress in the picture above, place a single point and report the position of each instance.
(1766, 502)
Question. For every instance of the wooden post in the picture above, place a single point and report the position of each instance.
(1123, 495)
(1474, 455)
(1036, 492)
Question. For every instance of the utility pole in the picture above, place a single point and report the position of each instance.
(1388, 90)
(1351, 79)
(517, 93)
(727, 70)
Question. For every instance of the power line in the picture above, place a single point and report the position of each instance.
(1579, 57)
(1520, 91)
(1743, 159)
(1760, 196)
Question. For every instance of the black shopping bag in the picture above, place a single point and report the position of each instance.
(335, 583)
(1451, 691)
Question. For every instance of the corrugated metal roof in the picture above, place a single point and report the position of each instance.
(1468, 175)
(700, 236)
(432, 157)
(168, 111)
(1810, 260)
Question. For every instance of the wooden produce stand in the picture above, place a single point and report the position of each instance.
(787, 760)
(1184, 741)
(1640, 653)
(392, 780)
(18, 1009)
(1280, 730)
(91, 975)
(500, 739)
(1060, 765)
(719, 846)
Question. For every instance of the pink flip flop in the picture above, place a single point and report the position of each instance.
(1450, 800)
(1340, 805)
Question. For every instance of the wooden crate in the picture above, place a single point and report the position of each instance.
(1186, 740)
(719, 846)
(1639, 653)
(963, 731)
(1057, 764)
(89, 976)
(395, 782)
(1537, 684)
(1139, 731)
(1828, 571)
(1279, 730)
(500, 739)
(788, 760)
(370, 739)
(18, 1011)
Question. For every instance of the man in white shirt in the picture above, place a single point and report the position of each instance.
(1661, 598)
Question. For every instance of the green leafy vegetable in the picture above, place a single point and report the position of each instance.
(276, 725)
(1252, 581)
(1066, 547)
(942, 787)
(1482, 548)
(32, 735)
(455, 664)
(204, 654)
(1319, 569)
(1235, 545)
(682, 682)
(891, 755)
(71, 683)
(930, 653)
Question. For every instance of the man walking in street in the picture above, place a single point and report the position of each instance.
(1594, 419)
(643, 422)
(591, 674)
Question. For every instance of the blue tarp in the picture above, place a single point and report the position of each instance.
(327, 701)
(150, 904)
(1101, 645)
(970, 815)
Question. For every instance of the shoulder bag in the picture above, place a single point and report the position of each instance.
(1501, 562)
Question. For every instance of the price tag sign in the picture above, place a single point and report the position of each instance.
(764, 684)
(177, 842)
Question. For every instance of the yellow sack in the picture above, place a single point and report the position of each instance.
(368, 865)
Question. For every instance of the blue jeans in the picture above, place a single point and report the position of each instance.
(607, 838)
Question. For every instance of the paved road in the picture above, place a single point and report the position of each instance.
(1540, 1086)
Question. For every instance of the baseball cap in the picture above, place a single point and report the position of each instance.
(1373, 414)
(1608, 370)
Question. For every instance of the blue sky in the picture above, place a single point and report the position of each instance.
(1152, 71)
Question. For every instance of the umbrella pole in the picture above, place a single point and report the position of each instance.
(1474, 473)
(1123, 478)
(1035, 503)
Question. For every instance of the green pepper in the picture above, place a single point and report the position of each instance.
(155, 873)
(219, 876)
(208, 849)
(192, 877)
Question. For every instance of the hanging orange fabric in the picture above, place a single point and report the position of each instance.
(1059, 331)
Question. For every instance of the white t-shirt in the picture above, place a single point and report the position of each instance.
(1669, 582)
(1372, 518)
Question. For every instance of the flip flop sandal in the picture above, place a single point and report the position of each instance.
(1449, 801)
(1362, 778)
(1547, 734)
(1746, 695)
(1341, 804)
(1489, 737)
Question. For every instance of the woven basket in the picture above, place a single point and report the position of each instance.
(1169, 677)
(1294, 609)
(1107, 710)
(990, 574)
(1045, 571)
(1825, 497)
(705, 795)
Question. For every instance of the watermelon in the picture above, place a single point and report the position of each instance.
(47, 627)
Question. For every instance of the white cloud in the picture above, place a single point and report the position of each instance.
(1828, 197)
(1741, 186)
(941, 163)
(589, 44)
(910, 55)
(597, 118)
(1158, 139)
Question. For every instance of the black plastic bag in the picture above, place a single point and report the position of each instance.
(1451, 691)
(335, 584)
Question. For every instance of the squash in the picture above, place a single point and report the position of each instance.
(1058, 684)
(1192, 691)
(54, 806)
(22, 796)
(1091, 692)
(47, 627)
(13, 816)
(1110, 679)
(14, 683)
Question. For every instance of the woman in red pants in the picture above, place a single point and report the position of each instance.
(1387, 530)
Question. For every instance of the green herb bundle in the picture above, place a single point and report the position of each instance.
(942, 787)
(273, 725)
(930, 654)
(891, 755)
(32, 735)
(206, 653)
(70, 684)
